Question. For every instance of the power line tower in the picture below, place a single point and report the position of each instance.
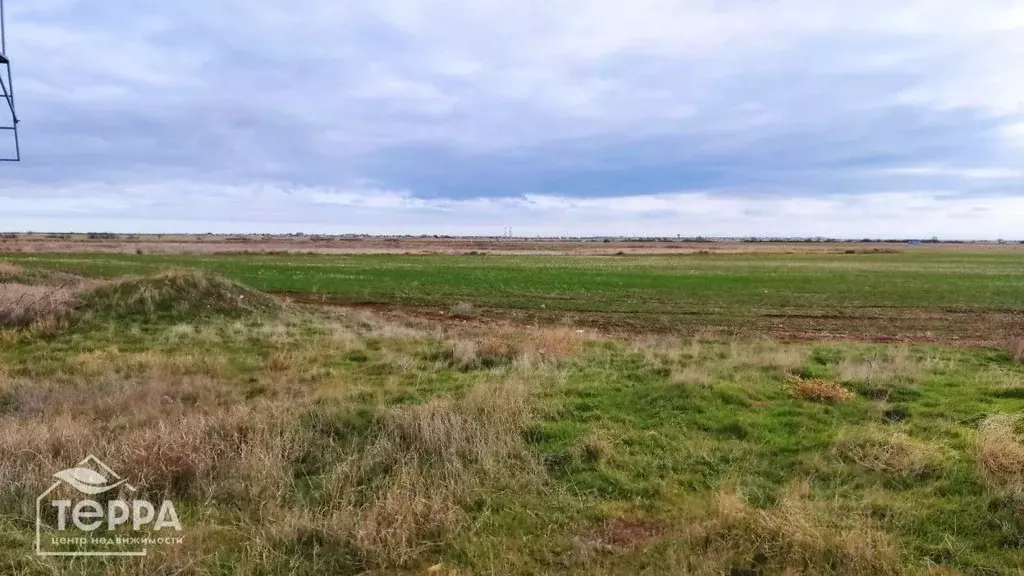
(7, 86)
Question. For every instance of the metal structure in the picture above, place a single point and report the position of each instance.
(7, 86)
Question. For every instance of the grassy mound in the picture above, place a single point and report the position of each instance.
(173, 296)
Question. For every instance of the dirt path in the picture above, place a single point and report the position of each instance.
(958, 328)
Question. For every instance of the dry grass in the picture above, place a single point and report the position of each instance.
(189, 436)
(1016, 349)
(8, 269)
(698, 361)
(280, 361)
(553, 342)
(507, 346)
(597, 447)
(22, 305)
(484, 353)
(372, 324)
(785, 358)
(659, 348)
(483, 428)
(153, 396)
(896, 364)
(408, 488)
(463, 310)
(822, 391)
(693, 374)
(796, 536)
(880, 450)
(389, 493)
(108, 361)
(1000, 455)
(852, 370)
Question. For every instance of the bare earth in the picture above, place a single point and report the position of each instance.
(261, 244)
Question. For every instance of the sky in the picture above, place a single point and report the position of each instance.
(552, 117)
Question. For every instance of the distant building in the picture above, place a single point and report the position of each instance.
(913, 242)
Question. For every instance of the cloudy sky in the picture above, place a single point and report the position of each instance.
(554, 117)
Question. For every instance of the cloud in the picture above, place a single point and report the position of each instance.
(184, 207)
(1014, 134)
(440, 107)
(968, 173)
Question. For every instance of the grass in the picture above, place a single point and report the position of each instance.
(304, 440)
(796, 535)
(1000, 454)
(969, 295)
(178, 295)
(877, 449)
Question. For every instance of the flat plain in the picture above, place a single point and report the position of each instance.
(812, 412)
(914, 296)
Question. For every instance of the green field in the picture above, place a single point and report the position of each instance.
(305, 439)
(904, 294)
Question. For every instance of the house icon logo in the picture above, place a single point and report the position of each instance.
(91, 476)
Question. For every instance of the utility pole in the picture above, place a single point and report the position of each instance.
(7, 89)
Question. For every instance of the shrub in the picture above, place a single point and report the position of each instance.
(822, 391)
(101, 236)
